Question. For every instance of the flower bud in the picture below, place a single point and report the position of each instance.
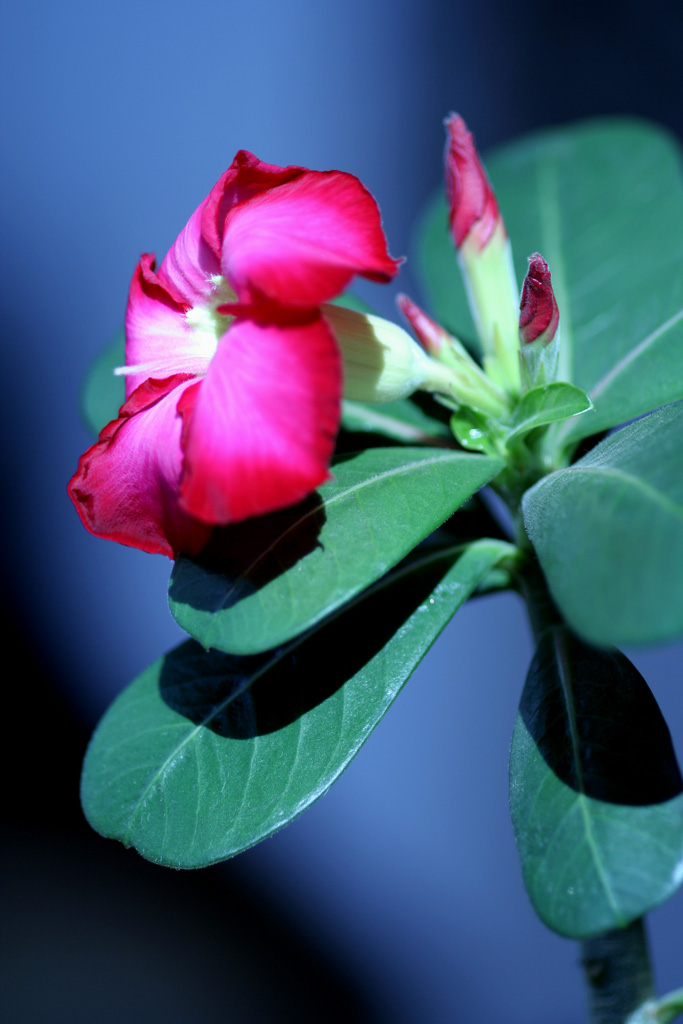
(434, 338)
(539, 320)
(473, 209)
(480, 238)
(538, 313)
(382, 363)
(468, 384)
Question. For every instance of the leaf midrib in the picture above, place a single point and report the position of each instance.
(637, 483)
(565, 679)
(635, 353)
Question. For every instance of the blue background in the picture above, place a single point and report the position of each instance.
(398, 897)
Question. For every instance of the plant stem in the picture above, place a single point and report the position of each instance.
(616, 966)
(541, 608)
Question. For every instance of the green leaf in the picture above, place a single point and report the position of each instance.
(603, 202)
(659, 1011)
(595, 790)
(475, 431)
(544, 405)
(205, 754)
(292, 569)
(609, 533)
(402, 420)
(103, 393)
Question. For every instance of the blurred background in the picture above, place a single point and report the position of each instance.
(398, 897)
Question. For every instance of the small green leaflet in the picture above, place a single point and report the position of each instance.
(595, 790)
(288, 571)
(544, 405)
(205, 753)
(609, 533)
(475, 431)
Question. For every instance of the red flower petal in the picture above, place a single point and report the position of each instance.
(190, 263)
(126, 485)
(259, 432)
(295, 236)
(246, 177)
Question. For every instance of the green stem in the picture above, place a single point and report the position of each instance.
(616, 966)
(616, 963)
(541, 609)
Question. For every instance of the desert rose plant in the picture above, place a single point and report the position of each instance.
(313, 468)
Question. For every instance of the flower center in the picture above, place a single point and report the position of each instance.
(207, 326)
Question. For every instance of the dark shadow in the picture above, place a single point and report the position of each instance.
(214, 689)
(245, 557)
(472, 521)
(266, 545)
(597, 724)
(350, 441)
(241, 558)
(587, 444)
(425, 401)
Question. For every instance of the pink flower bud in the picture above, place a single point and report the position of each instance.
(538, 312)
(432, 336)
(473, 207)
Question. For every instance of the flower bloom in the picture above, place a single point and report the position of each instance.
(233, 375)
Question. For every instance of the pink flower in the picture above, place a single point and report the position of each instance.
(538, 312)
(233, 376)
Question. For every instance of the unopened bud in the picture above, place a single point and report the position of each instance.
(473, 210)
(434, 338)
(538, 312)
(483, 248)
(539, 321)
